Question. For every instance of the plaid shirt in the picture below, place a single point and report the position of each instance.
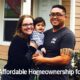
(38, 37)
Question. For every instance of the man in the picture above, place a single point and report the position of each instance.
(59, 43)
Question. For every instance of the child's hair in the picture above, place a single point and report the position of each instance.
(38, 20)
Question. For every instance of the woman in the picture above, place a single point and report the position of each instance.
(20, 53)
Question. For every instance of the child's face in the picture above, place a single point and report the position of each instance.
(40, 27)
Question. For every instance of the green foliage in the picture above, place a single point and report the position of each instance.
(78, 53)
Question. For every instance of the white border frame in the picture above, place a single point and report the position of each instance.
(72, 16)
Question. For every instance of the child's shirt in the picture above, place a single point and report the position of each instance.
(38, 37)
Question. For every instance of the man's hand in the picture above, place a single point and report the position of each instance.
(38, 58)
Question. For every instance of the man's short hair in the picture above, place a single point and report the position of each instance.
(59, 6)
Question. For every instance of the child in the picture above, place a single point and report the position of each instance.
(37, 39)
(38, 34)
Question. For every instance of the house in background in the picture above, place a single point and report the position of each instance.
(10, 10)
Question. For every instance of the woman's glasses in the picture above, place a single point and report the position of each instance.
(30, 24)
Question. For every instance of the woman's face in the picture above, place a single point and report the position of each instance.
(27, 26)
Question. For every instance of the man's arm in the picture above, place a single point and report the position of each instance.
(63, 58)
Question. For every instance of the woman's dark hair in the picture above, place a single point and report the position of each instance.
(38, 20)
(19, 24)
(59, 6)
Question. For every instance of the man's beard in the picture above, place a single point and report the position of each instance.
(58, 26)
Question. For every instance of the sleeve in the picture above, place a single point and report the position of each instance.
(32, 50)
(29, 54)
(68, 41)
(18, 51)
(41, 46)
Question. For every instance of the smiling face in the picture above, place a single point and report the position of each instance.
(40, 27)
(57, 17)
(27, 26)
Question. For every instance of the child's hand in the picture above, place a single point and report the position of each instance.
(43, 50)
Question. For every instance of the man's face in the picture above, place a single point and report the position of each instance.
(57, 17)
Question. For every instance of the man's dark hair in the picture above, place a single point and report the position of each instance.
(59, 6)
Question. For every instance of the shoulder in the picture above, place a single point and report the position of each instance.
(17, 40)
(35, 33)
(17, 44)
(68, 36)
(48, 31)
(68, 32)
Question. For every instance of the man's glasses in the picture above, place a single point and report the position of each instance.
(31, 24)
(56, 14)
